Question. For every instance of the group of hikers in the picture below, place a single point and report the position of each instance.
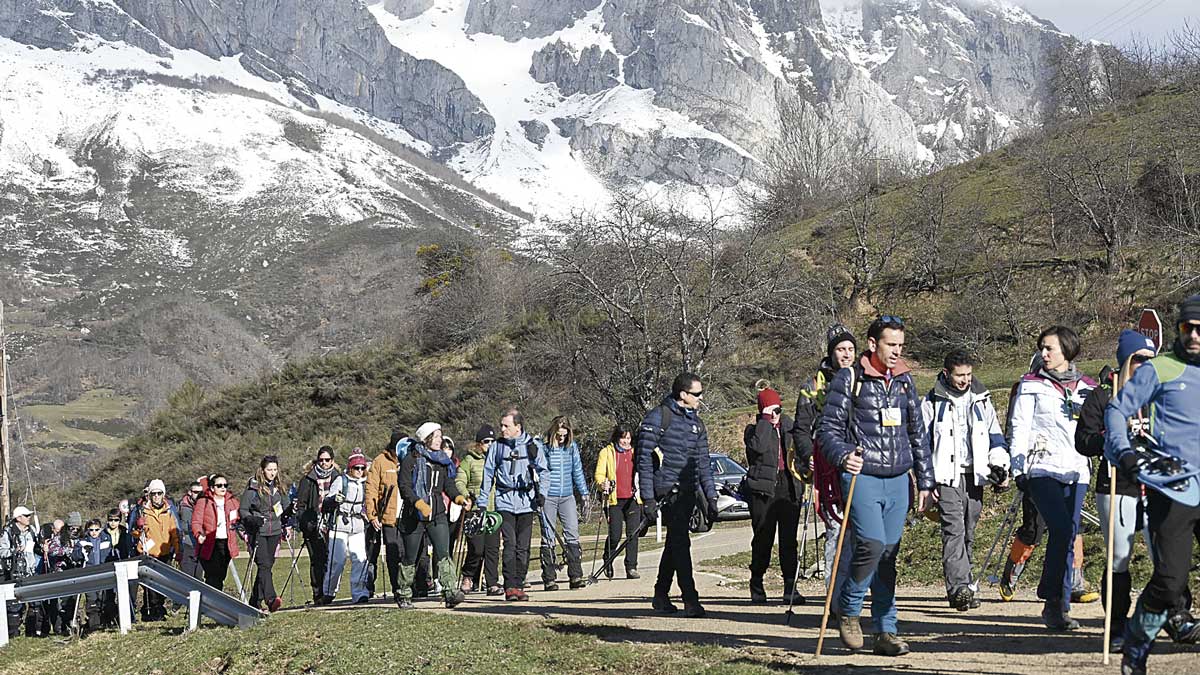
(864, 447)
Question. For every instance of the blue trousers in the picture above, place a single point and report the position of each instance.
(877, 518)
(1060, 505)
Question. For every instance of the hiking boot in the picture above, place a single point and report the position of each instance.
(404, 603)
(793, 596)
(324, 600)
(552, 586)
(961, 599)
(467, 586)
(608, 572)
(662, 604)
(1008, 580)
(453, 599)
(363, 600)
(272, 607)
(693, 610)
(1056, 619)
(577, 584)
(630, 573)
(758, 595)
(889, 644)
(850, 631)
(495, 590)
(518, 594)
(1084, 596)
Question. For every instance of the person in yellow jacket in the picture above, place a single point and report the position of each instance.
(617, 476)
(158, 537)
(383, 509)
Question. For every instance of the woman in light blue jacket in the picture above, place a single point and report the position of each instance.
(565, 490)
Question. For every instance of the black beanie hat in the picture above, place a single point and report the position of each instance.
(836, 335)
(1189, 309)
(397, 435)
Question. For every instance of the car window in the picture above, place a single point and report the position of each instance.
(731, 467)
(714, 464)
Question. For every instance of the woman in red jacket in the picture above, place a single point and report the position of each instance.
(213, 522)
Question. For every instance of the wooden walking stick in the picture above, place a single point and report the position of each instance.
(831, 575)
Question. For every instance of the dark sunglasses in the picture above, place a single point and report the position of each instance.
(324, 459)
(93, 529)
(1189, 327)
(892, 319)
(220, 485)
(157, 492)
(114, 520)
(697, 394)
(1140, 358)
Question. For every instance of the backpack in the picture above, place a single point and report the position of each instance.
(665, 417)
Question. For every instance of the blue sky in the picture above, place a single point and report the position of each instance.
(1116, 20)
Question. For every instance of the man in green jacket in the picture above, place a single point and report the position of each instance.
(483, 550)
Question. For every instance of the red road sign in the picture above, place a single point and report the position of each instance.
(1151, 326)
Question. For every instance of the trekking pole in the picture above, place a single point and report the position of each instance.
(250, 570)
(1001, 533)
(802, 535)
(602, 502)
(837, 559)
(1108, 597)
(294, 570)
(787, 616)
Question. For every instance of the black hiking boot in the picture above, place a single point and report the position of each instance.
(758, 595)
(693, 610)
(663, 605)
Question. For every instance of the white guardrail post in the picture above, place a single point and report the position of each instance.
(126, 571)
(8, 593)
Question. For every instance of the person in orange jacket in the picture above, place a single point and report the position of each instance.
(158, 536)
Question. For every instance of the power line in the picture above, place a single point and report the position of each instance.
(1124, 17)
(1129, 22)
(1122, 8)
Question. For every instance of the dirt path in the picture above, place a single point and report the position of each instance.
(999, 638)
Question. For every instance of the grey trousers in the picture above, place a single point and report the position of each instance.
(960, 507)
(831, 537)
(556, 510)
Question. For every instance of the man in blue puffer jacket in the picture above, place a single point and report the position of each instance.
(872, 426)
(1170, 388)
(514, 465)
(673, 447)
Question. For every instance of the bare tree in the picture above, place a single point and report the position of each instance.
(644, 291)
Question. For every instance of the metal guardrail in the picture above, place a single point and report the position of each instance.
(123, 577)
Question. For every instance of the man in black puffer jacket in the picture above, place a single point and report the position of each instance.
(776, 492)
(673, 448)
(872, 426)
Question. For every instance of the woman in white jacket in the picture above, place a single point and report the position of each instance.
(346, 530)
(1045, 464)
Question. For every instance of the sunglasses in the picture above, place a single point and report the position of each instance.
(1186, 328)
(324, 460)
(1140, 358)
(892, 319)
(220, 485)
(114, 520)
(697, 394)
(358, 468)
(93, 529)
(157, 492)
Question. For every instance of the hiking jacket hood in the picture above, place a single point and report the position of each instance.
(856, 418)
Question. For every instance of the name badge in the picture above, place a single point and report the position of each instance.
(891, 417)
(278, 508)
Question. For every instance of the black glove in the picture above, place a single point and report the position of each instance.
(650, 510)
(540, 500)
(1021, 480)
(1127, 465)
(712, 509)
(580, 500)
(996, 476)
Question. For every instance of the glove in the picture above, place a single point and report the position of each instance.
(1127, 465)
(424, 507)
(712, 509)
(339, 498)
(460, 500)
(1021, 481)
(579, 501)
(650, 510)
(540, 500)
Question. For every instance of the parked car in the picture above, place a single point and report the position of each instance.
(728, 475)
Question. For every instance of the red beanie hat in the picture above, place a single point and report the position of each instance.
(767, 398)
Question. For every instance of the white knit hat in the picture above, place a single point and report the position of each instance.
(426, 430)
(156, 485)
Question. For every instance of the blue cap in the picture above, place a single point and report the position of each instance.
(1131, 342)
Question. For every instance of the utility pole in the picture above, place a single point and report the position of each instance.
(4, 446)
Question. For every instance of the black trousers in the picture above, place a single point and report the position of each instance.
(625, 515)
(676, 561)
(770, 513)
(1032, 526)
(483, 555)
(100, 606)
(1173, 527)
(517, 532)
(217, 566)
(190, 564)
(264, 561)
(318, 561)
